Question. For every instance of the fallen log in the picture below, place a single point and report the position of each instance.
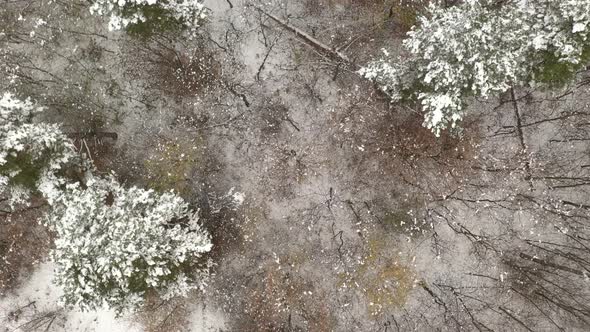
(311, 41)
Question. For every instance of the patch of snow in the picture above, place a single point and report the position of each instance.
(237, 197)
(206, 319)
(579, 27)
(38, 301)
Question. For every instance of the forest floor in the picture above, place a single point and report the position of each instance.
(330, 208)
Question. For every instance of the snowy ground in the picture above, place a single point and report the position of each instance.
(34, 306)
(347, 215)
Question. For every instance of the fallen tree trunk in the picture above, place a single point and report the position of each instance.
(322, 48)
(311, 41)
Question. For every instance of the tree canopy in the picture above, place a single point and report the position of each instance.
(144, 17)
(31, 153)
(479, 48)
(115, 244)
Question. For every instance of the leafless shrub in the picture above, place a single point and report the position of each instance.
(283, 301)
(176, 70)
(162, 316)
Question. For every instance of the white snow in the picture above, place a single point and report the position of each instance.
(237, 197)
(207, 319)
(579, 27)
(44, 295)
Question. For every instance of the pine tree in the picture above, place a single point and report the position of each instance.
(115, 246)
(480, 48)
(31, 153)
(144, 17)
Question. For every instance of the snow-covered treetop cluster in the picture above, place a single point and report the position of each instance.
(481, 47)
(558, 26)
(148, 14)
(114, 244)
(31, 154)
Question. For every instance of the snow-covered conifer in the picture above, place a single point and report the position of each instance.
(480, 48)
(557, 37)
(31, 153)
(115, 245)
(145, 16)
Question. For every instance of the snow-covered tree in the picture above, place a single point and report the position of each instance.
(483, 47)
(557, 37)
(117, 245)
(114, 245)
(146, 16)
(31, 153)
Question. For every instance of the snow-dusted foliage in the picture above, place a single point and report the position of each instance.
(557, 37)
(115, 245)
(453, 53)
(31, 154)
(147, 14)
(481, 47)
